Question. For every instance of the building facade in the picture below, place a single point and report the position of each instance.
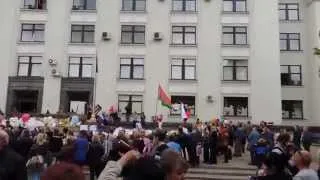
(243, 59)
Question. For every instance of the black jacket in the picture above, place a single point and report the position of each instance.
(55, 144)
(23, 147)
(12, 165)
(95, 153)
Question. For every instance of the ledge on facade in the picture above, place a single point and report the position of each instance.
(25, 78)
(82, 44)
(31, 42)
(241, 118)
(130, 80)
(290, 119)
(183, 81)
(83, 11)
(133, 12)
(291, 51)
(236, 45)
(77, 80)
(236, 82)
(34, 10)
(137, 45)
(183, 12)
(290, 21)
(292, 86)
(184, 45)
(235, 12)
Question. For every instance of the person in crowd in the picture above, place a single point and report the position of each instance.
(159, 143)
(306, 138)
(206, 145)
(143, 119)
(191, 147)
(66, 153)
(268, 136)
(63, 171)
(55, 141)
(138, 142)
(24, 144)
(12, 165)
(213, 138)
(252, 141)
(297, 137)
(182, 140)
(81, 147)
(40, 152)
(174, 165)
(173, 145)
(108, 143)
(239, 135)
(148, 145)
(95, 153)
(261, 150)
(303, 160)
(318, 159)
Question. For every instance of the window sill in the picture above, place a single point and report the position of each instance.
(236, 45)
(235, 12)
(292, 86)
(130, 80)
(184, 45)
(184, 12)
(183, 80)
(291, 51)
(133, 12)
(83, 11)
(236, 82)
(31, 42)
(26, 77)
(81, 44)
(125, 44)
(294, 119)
(34, 10)
(78, 78)
(290, 21)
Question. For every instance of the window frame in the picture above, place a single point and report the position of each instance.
(30, 65)
(81, 63)
(290, 105)
(290, 73)
(134, 7)
(33, 30)
(132, 66)
(234, 35)
(83, 31)
(234, 6)
(84, 6)
(234, 69)
(288, 40)
(184, 6)
(184, 33)
(130, 100)
(193, 109)
(287, 9)
(235, 109)
(183, 68)
(133, 31)
(36, 5)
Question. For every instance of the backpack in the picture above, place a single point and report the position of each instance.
(35, 163)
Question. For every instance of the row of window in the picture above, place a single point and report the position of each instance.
(287, 11)
(232, 106)
(135, 34)
(181, 69)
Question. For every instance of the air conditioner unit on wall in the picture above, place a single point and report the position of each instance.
(106, 36)
(209, 99)
(157, 36)
(52, 62)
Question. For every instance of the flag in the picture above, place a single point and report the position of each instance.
(185, 114)
(164, 98)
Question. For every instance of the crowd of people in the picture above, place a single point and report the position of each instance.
(65, 154)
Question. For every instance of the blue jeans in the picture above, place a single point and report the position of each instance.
(34, 176)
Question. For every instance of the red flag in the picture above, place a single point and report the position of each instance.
(164, 98)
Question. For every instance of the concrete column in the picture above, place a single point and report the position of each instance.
(56, 41)
(265, 61)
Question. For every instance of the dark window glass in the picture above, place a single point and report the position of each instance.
(291, 75)
(81, 67)
(184, 5)
(35, 4)
(184, 35)
(235, 70)
(188, 101)
(32, 33)
(131, 68)
(183, 69)
(84, 5)
(289, 11)
(292, 109)
(132, 34)
(82, 33)
(133, 5)
(290, 42)
(131, 103)
(235, 106)
(234, 5)
(233, 35)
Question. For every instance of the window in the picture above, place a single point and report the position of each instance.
(292, 109)
(26, 101)
(82, 33)
(29, 66)
(184, 35)
(132, 34)
(133, 5)
(184, 5)
(132, 103)
(234, 5)
(289, 11)
(291, 75)
(235, 70)
(81, 67)
(35, 4)
(235, 106)
(290, 42)
(183, 69)
(84, 5)
(188, 101)
(32, 33)
(131, 68)
(233, 35)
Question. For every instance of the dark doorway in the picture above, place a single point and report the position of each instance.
(78, 97)
(25, 101)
